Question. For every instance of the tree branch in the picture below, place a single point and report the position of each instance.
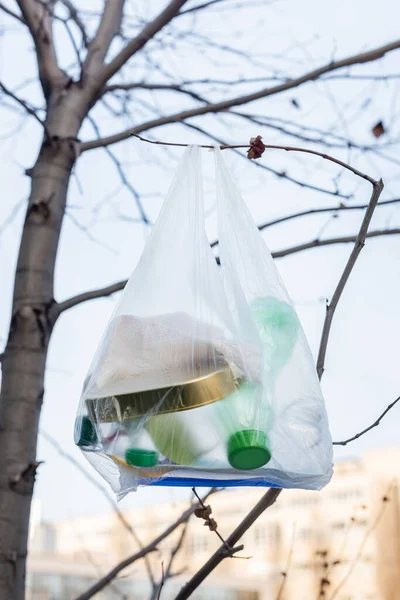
(280, 174)
(39, 18)
(92, 295)
(374, 424)
(331, 241)
(74, 15)
(377, 188)
(12, 13)
(147, 33)
(153, 86)
(316, 211)
(110, 24)
(120, 516)
(29, 109)
(119, 285)
(152, 547)
(273, 147)
(363, 57)
(266, 501)
(200, 7)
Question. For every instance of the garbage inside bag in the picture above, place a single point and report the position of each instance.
(203, 375)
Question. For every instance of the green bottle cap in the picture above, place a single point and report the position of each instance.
(141, 458)
(85, 432)
(248, 449)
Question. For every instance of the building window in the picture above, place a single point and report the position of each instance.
(305, 500)
(267, 534)
(197, 544)
(306, 533)
(347, 494)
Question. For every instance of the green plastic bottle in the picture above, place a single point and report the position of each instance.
(278, 326)
(139, 449)
(246, 415)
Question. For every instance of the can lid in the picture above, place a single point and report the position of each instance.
(85, 432)
(248, 449)
(138, 457)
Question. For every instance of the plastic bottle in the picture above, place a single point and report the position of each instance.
(245, 417)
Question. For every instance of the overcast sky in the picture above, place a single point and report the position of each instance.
(361, 375)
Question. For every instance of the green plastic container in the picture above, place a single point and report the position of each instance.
(244, 418)
(85, 432)
(139, 457)
(248, 449)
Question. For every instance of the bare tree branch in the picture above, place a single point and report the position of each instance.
(29, 109)
(377, 188)
(110, 24)
(147, 33)
(316, 211)
(280, 174)
(152, 547)
(374, 424)
(92, 295)
(119, 285)
(120, 516)
(363, 57)
(287, 567)
(200, 7)
(369, 531)
(74, 14)
(266, 501)
(123, 177)
(153, 86)
(328, 242)
(12, 13)
(39, 18)
(274, 147)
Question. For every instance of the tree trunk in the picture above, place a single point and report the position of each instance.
(34, 314)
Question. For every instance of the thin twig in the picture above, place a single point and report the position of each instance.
(152, 547)
(113, 288)
(105, 493)
(280, 174)
(330, 241)
(377, 187)
(288, 563)
(162, 581)
(222, 106)
(266, 501)
(273, 147)
(374, 424)
(25, 106)
(316, 211)
(12, 14)
(229, 550)
(357, 557)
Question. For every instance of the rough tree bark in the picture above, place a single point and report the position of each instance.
(34, 313)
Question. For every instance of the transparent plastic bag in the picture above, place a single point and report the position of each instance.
(203, 375)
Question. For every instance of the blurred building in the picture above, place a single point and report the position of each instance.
(342, 543)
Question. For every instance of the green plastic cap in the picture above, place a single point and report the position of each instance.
(248, 449)
(141, 458)
(85, 432)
